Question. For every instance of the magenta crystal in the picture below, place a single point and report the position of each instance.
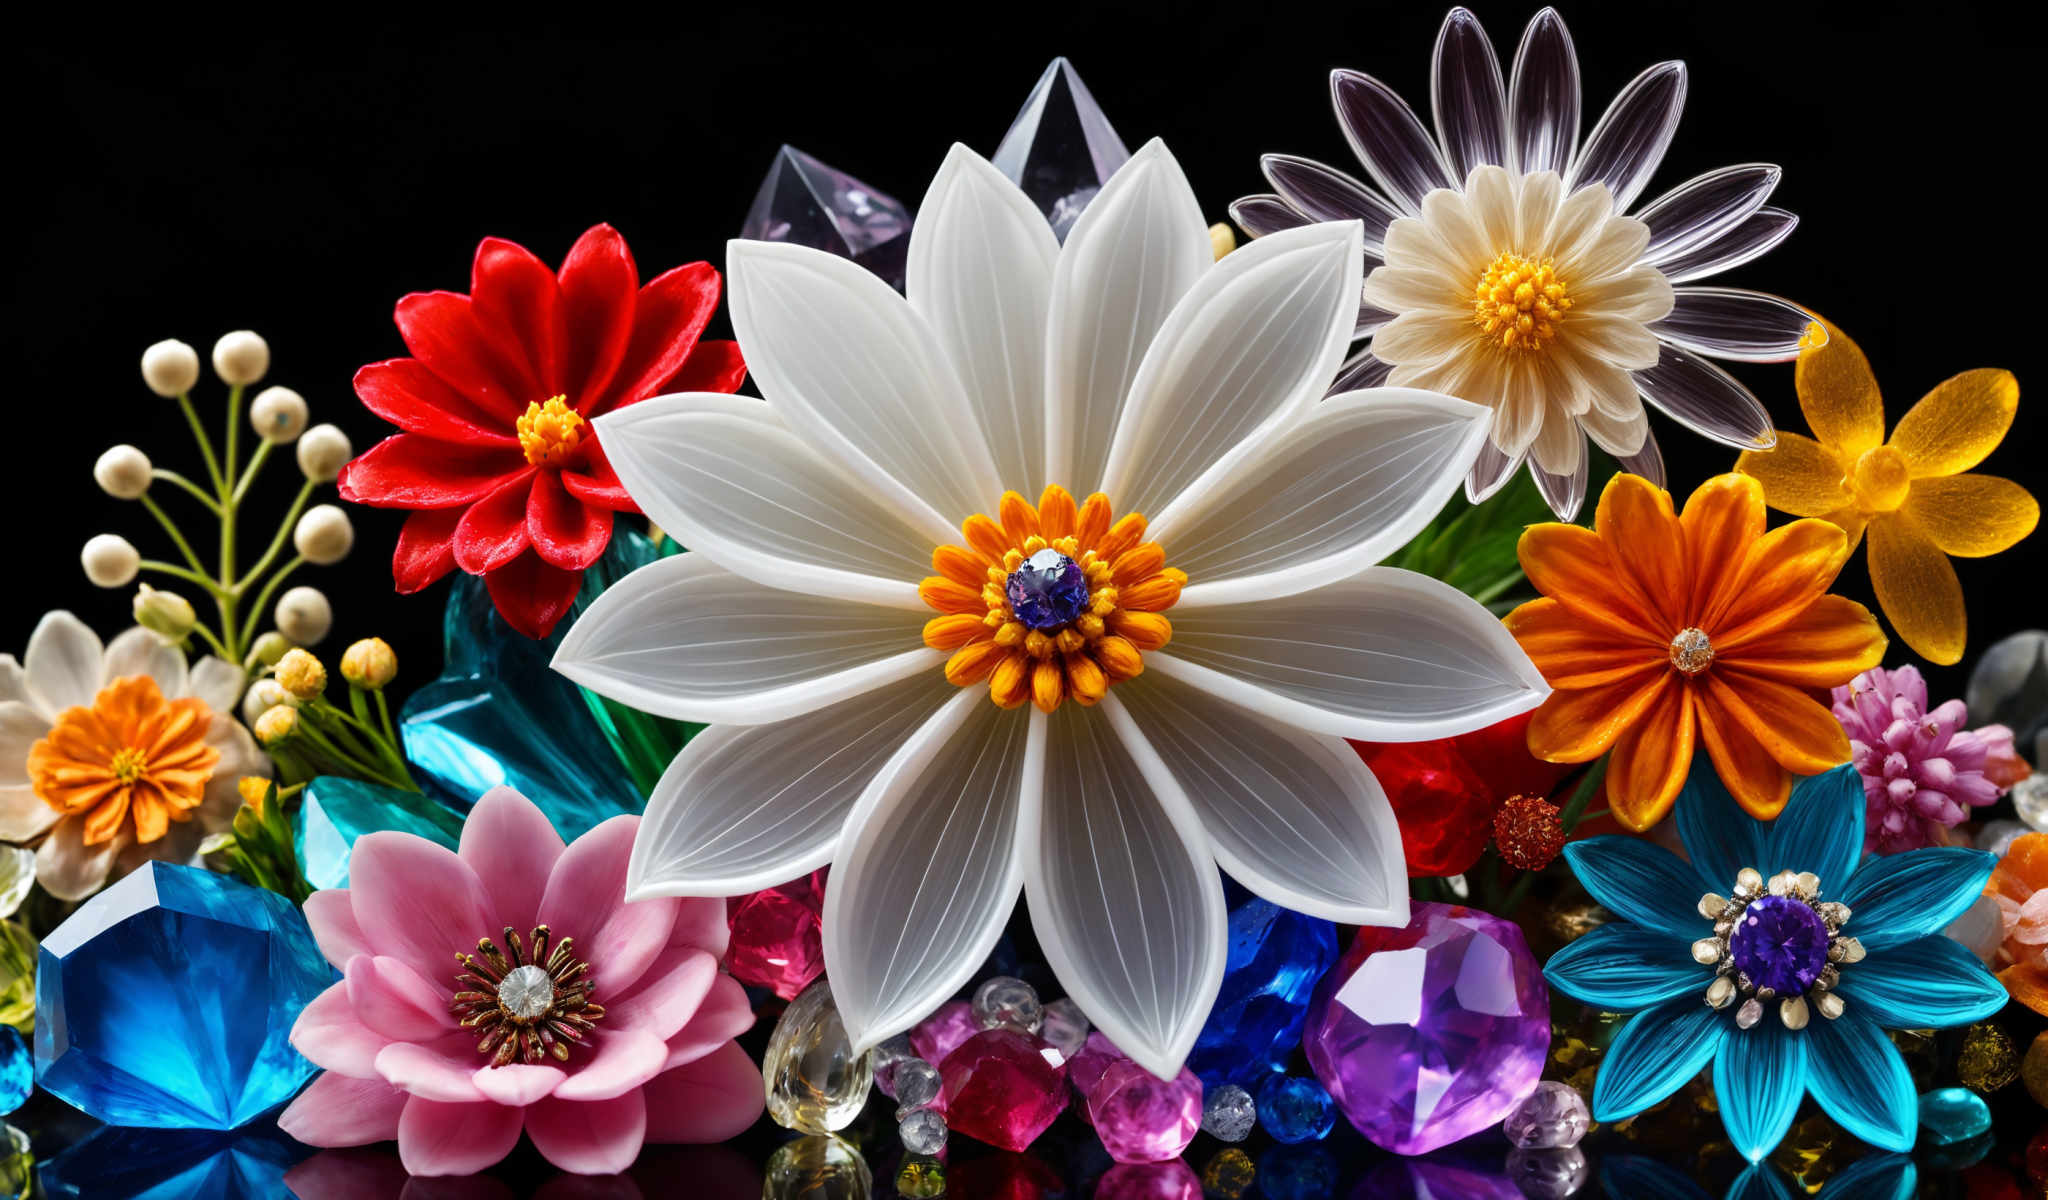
(1085, 1068)
(1142, 1118)
(938, 1035)
(1002, 1087)
(1171, 1180)
(1432, 1032)
(777, 936)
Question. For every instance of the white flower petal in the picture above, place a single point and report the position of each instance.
(853, 370)
(1467, 95)
(21, 727)
(137, 651)
(1295, 816)
(1735, 323)
(1543, 96)
(1423, 337)
(1630, 140)
(1385, 656)
(745, 807)
(1563, 489)
(1249, 348)
(218, 683)
(23, 814)
(1333, 495)
(71, 870)
(1123, 888)
(682, 637)
(1138, 247)
(62, 663)
(728, 479)
(980, 273)
(14, 683)
(929, 865)
(1647, 462)
(1704, 207)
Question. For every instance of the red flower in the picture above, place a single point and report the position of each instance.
(497, 454)
(1445, 793)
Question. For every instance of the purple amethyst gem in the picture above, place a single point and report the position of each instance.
(1781, 944)
(1048, 591)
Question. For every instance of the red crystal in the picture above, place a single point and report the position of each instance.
(777, 936)
(1002, 1087)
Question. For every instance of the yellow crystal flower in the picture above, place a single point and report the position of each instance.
(1909, 494)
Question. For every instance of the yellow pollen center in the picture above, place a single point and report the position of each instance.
(1692, 651)
(549, 433)
(1518, 303)
(1879, 480)
(128, 764)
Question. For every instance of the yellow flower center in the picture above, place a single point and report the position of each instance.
(1519, 303)
(131, 756)
(1051, 603)
(128, 764)
(549, 433)
(1879, 480)
(1692, 651)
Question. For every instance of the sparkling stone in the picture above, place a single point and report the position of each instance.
(937, 1036)
(1048, 591)
(816, 1083)
(1952, 1115)
(335, 812)
(1003, 1088)
(1299, 1172)
(1548, 1174)
(1085, 1068)
(1275, 958)
(1423, 1179)
(1228, 1113)
(1008, 1003)
(885, 1059)
(1987, 1060)
(1431, 1032)
(778, 936)
(806, 203)
(1061, 149)
(1295, 1108)
(166, 1001)
(1229, 1175)
(1065, 1028)
(17, 1070)
(1780, 943)
(917, 1084)
(2030, 800)
(1553, 1116)
(526, 992)
(817, 1167)
(1170, 1180)
(1142, 1118)
(922, 1131)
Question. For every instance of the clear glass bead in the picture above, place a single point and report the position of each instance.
(816, 1083)
(1007, 1003)
(885, 1057)
(917, 1085)
(1228, 1113)
(923, 1132)
(1065, 1029)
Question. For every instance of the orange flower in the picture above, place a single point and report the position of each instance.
(1658, 629)
(2023, 949)
(131, 754)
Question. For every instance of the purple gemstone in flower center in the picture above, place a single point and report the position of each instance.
(1781, 944)
(1048, 591)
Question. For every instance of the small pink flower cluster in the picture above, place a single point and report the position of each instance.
(1922, 771)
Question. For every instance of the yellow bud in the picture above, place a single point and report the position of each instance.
(253, 788)
(276, 725)
(301, 674)
(369, 663)
(1221, 239)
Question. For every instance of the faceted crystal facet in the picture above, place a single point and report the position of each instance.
(806, 203)
(1085, 1068)
(1780, 943)
(937, 1036)
(778, 936)
(1048, 591)
(334, 812)
(526, 992)
(1228, 1113)
(1553, 1116)
(1276, 956)
(17, 1070)
(1065, 1029)
(816, 1083)
(922, 1131)
(1003, 1088)
(1432, 1032)
(1296, 1109)
(1061, 149)
(1142, 1118)
(167, 1001)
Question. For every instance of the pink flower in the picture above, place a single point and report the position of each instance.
(1922, 771)
(653, 1059)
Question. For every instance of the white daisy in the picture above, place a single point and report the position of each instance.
(1505, 272)
(1049, 731)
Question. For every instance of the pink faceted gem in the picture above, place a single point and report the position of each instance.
(1142, 1118)
(1433, 1032)
(1171, 1180)
(938, 1035)
(777, 936)
(1003, 1088)
(1086, 1067)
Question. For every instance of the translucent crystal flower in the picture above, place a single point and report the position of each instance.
(850, 725)
(1922, 771)
(1505, 270)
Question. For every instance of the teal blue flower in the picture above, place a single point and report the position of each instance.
(1776, 957)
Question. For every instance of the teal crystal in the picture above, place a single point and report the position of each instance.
(1953, 1115)
(173, 1164)
(336, 811)
(166, 1001)
(500, 717)
(17, 1070)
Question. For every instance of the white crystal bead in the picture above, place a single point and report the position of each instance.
(527, 993)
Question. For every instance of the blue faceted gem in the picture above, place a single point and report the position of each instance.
(1276, 957)
(1950, 1116)
(1048, 591)
(336, 811)
(174, 1164)
(1295, 1108)
(166, 1001)
(17, 1070)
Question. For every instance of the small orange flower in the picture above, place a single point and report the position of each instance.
(2015, 883)
(131, 754)
(1656, 629)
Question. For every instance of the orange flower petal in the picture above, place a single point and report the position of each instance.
(946, 596)
(1799, 476)
(1644, 543)
(1957, 424)
(1826, 646)
(1970, 516)
(1576, 653)
(1792, 727)
(1785, 571)
(1019, 519)
(1056, 513)
(2024, 869)
(1722, 520)
(1579, 725)
(1917, 588)
(961, 565)
(1092, 521)
(1650, 761)
(1747, 770)
(104, 820)
(1570, 564)
(1839, 395)
(152, 815)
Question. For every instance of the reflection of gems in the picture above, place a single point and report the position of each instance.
(1916, 1047)
(1296, 1109)
(1301, 1172)
(1553, 1116)
(1952, 1115)
(1814, 1151)
(1169, 1180)
(1548, 1174)
(1065, 1028)
(1229, 1175)
(1988, 1059)
(1007, 1003)
(816, 1083)
(17, 1070)
(817, 1167)
(2034, 1069)
(1228, 1113)
(920, 1179)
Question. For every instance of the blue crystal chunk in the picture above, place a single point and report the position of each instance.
(17, 1070)
(1952, 1115)
(336, 811)
(174, 1164)
(1295, 1108)
(166, 1001)
(1780, 943)
(1276, 957)
(1048, 591)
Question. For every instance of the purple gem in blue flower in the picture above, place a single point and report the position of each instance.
(1048, 591)
(1781, 943)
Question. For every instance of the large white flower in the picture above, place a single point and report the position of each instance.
(1050, 731)
(1505, 272)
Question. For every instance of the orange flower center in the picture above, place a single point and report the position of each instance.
(1519, 303)
(130, 754)
(1692, 651)
(1879, 480)
(1051, 603)
(549, 433)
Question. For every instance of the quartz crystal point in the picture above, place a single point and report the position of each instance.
(335, 811)
(815, 1082)
(1061, 148)
(806, 203)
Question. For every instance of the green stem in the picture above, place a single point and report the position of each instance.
(384, 718)
(284, 532)
(1516, 895)
(163, 519)
(263, 597)
(1575, 808)
(227, 471)
(199, 627)
(173, 569)
(249, 474)
(177, 480)
(205, 445)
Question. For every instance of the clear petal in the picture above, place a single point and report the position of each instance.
(1384, 133)
(1931, 982)
(1543, 91)
(1820, 829)
(684, 638)
(1386, 656)
(1621, 967)
(1295, 816)
(980, 273)
(1705, 399)
(1123, 888)
(1624, 149)
(1759, 1080)
(1467, 96)
(929, 865)
(1656, 1053)
(1244, 354)
(1859, 1079)
(1758, 234)
(1641, 882)
(1264, 214)
(1324, 193)
(1700, 210)
(1895, 898)
(1565, 493)
(1490, 472)
(1647, 462)
(1735, 324)
(746, 807)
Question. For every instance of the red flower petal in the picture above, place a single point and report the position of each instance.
(425, 549)
(408, 470)
(514, 295)
(531, 595)
(598, 282)
(597, 483)
(714, 366)
(668, 316)
(405, 393)
(493, 531)
(565, 531)
(442, 331)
